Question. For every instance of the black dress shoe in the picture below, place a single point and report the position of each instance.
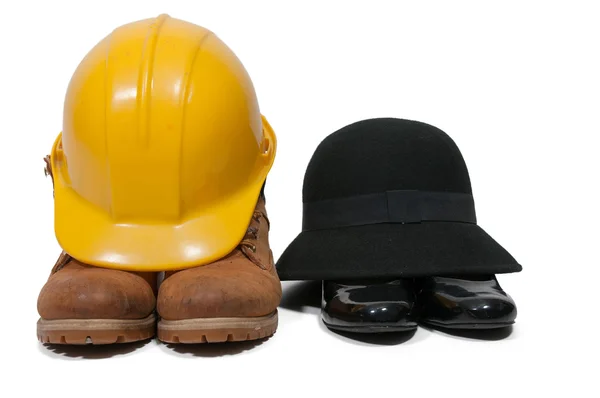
(465, 302)
(363, 306)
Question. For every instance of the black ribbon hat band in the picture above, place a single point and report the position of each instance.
(402, 207)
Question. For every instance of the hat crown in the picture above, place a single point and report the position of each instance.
(385, 154)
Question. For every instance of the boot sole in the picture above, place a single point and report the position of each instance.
(95, 331)
(217, 330)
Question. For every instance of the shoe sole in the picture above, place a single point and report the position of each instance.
(371, 328)
(217, 330)
(95, 331)
(469, 326)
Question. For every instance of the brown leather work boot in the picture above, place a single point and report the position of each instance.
(232, 299)
(83, 304)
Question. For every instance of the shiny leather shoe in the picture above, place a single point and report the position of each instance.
(369, 306)
(465, 302)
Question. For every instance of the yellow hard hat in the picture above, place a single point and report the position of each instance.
(163, 152)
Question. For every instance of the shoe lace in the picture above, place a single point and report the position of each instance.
(248, 244)
(48, 171)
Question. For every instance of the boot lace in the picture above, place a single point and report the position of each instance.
(48, 171)
(248, 244)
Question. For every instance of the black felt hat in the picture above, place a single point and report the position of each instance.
(389, 198)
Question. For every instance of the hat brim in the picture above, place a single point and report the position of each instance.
(394, 250)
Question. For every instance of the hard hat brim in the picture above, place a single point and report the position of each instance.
(90, 235)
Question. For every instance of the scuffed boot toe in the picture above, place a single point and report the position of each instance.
(82, 304)
(209, 292)
(94, 293)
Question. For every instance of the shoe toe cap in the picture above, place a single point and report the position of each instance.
(382, 313)
(210, 293)
(95, 293)
(500, 310)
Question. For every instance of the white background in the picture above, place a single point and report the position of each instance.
(516, 84)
